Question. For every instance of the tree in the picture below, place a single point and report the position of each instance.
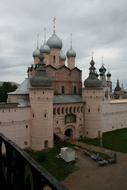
(5, 88)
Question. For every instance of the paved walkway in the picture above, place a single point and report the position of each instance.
(91, 176)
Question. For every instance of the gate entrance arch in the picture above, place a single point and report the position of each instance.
(69, 133)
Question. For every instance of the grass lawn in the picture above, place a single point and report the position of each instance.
(56, 166)
(114, 140)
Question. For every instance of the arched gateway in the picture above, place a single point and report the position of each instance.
(69, 133)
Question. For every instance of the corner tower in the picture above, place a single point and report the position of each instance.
(41, 101)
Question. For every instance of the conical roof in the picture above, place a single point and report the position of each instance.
(41, 79)
(92, 80)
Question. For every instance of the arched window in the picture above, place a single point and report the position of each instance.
(74, 109)
(67, 110)
(62, 111)
(58, 111)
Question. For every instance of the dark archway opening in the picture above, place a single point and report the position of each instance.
(69, 133)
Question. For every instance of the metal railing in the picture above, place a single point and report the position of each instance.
(18, 171)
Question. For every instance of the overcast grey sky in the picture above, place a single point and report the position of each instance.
(97, 26)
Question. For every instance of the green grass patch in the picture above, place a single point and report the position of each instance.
(114, 140)
(55, 165)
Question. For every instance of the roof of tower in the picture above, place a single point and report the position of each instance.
(108, 74)
(117, 88)
(41, 79)
(71, 53)
(102, 69)
(92, 80)
(45, 48)
(54, 42)
(36, 53)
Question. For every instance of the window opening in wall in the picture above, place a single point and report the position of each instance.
(62, 90)
(25, 142)
(67, 110)
(75, 90)
(78, 109)
(54, 59)
(33, 115)
(62, 110)
(45, 115)
(26, 126)
(74, 109)
(58, 111)
(46, 144)
(88, 110)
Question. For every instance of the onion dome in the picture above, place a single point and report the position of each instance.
(92, 80)
(36, 53)
(41, 79)
(102, 69)
(62, 56)
(108, 74)
(54, 42)
(71, 53)
(45, 48)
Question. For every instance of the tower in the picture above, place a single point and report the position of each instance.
(93, 95)
(41, 101)
(71, 54)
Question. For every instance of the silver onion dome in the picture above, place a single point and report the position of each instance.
(45, 48)
(54, 42)
(36, 53)
(71, 53)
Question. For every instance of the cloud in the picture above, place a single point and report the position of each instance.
(96, 25)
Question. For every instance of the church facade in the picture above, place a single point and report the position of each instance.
(52, 103)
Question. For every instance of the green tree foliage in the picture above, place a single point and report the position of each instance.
(5, 88)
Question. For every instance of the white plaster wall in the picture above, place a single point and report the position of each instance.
(114, 116)
(15, 124)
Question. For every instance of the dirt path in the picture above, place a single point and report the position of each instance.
(91, 176)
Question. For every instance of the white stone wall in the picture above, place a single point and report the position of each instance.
(15, 124)
(114, 116)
